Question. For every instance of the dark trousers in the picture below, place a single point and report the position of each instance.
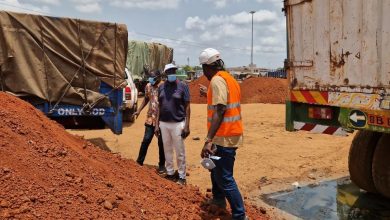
(223, 183)
(148, 136)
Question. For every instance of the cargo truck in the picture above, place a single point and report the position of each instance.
(338, 65)
(143, 57)
(67, 68)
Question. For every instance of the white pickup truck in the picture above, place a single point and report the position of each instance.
(130, 98)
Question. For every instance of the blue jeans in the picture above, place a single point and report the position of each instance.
(223, 183)
(148, 136)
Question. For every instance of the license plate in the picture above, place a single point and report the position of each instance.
(379, 120)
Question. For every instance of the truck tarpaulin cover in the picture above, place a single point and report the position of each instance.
(154, 56)
(43, 57)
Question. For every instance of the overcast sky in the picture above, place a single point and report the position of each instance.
(186, 25)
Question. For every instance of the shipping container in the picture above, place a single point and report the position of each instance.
(338, 65)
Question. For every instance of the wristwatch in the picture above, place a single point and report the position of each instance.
(208, 140)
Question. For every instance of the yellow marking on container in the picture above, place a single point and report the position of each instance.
(298, 95)
(318, 97)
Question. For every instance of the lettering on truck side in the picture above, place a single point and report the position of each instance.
(78, 111)
(379, 120)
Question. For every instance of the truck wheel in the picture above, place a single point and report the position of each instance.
(381, 166)
(360, 159)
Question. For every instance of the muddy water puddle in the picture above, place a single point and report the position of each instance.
(338, 199)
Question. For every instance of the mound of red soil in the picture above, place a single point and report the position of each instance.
(196, 96)
(264, 90)
(47, 173)
(253, 90)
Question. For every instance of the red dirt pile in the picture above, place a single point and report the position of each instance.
(196, 97)
(47, 173)
(264, 90)
(253, 90)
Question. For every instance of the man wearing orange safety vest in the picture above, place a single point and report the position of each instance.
(225, 132)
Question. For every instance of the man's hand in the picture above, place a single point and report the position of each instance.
(208, 150)
(185, 132)
(136, 114)
(202, 90)
(157, 131)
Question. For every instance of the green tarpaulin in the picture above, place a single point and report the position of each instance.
(152, 56)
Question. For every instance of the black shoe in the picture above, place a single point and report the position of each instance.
(181, 181)
(161, 170)
(245, 218)
(171, 177)
(221, 203)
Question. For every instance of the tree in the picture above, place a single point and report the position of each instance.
(187, 68)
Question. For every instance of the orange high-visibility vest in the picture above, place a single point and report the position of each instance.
(232, 123)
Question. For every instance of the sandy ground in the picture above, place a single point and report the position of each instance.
(271, 159)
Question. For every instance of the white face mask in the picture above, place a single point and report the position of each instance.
(172, 78)
(152, 80)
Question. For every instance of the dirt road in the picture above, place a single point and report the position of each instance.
(271, 159)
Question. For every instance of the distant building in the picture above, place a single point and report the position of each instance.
(244, 71)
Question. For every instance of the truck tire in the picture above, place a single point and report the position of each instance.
(381, 166)
(360, 159)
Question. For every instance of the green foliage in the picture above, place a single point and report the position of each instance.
(197, 68)
(187, 68)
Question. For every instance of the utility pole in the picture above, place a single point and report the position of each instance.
(188, 61)
(252, 12)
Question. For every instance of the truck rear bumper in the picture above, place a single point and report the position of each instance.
(352, 111)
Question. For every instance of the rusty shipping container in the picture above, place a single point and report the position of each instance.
(338, 65)
(339, 45)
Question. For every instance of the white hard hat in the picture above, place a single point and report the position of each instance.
(209, 56)
(170, 66)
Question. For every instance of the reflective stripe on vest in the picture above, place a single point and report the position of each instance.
(228, 106)
(232, 123)
(228, 119)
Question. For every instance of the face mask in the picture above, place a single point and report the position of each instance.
(172, 78)
(152, 80)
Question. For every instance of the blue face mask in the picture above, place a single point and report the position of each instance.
(152, 80)
(172, 78)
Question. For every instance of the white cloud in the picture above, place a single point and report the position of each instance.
(261, 16)
(195, 23)
(216, 20)
(236, 29)
(208, 36)
(87, 6)
(269, 41)
(147, 4)
(221, 3)
(16, 6)
(268, 49)
(48, 2)
(278, 3)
